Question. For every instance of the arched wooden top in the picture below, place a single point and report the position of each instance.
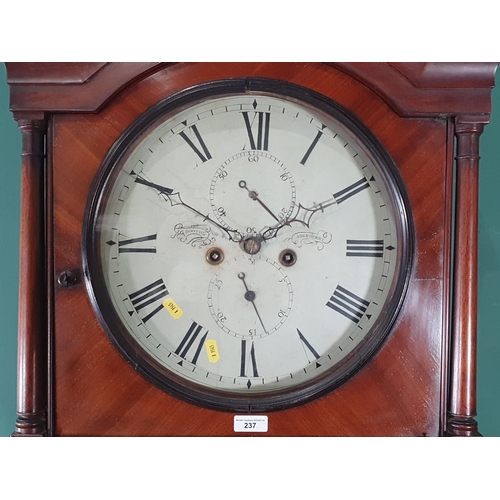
(429, 89)
(69, 87)
(411, 89)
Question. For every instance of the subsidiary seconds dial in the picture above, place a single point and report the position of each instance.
(258, 289)
(252, 190)
(247, 245)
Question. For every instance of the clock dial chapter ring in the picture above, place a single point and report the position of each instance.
(182, 196)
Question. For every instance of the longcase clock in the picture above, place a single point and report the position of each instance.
(241, 249)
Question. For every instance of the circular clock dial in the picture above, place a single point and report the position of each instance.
(247, 249)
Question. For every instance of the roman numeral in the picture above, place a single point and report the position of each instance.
(351, 190)
(263, 123)
(365, 248)
(149, 295)
(126, 246)
(243, 368)
(312, 146)
(205, 156)
(309, 346)
(348, 304)
(189, 339)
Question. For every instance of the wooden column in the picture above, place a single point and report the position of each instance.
(32, 334)
(462, 404)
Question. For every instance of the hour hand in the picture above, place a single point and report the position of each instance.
(145, 182)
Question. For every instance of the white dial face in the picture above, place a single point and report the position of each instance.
(248, 243)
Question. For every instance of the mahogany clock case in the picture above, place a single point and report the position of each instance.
(154, 372)
(413, 386)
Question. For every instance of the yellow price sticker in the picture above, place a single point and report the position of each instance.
(170, 305)
(212, 351)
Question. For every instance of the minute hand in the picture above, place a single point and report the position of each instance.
(175, 199)
(302, 215)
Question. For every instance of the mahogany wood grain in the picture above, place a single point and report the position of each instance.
(429, 89)
(448, 75)
(396, 394)
(61, 87)
(463, 377)
(32, 336)
(402, 391)
(412, 89)
(58, 73)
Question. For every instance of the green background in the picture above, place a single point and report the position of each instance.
(488, 393)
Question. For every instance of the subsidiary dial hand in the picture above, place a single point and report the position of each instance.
(254, 196)
(250, 296)
(175, 199)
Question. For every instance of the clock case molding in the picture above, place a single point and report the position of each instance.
(71, 381)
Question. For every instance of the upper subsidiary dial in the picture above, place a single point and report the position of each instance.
(252, 191)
